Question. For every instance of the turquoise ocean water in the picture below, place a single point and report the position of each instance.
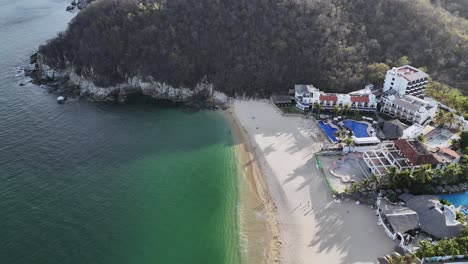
(95, 183)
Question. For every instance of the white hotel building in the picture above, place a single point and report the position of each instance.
(307, 95)
(409, 108)
(406, 80)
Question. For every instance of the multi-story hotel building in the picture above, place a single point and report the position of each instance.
(307, 95)
(408, 108)
(406, 80)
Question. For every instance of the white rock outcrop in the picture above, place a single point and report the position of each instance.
(136, 85)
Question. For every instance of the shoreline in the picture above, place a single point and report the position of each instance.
(305, 224)
(254, 175)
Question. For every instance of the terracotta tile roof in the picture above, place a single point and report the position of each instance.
(413, 155)
(328, 98)
(360, 99)
(449, 152)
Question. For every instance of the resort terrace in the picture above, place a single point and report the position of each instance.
(401, 153)
(387, 156)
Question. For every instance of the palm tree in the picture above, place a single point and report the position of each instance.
(400, 259)
(364, 184)
(356, 113)
(464, 159)
(460, 126)
(375, 182)
(437, 177)
(391, 260)
(439, 117)
(318, 107)
(425, 249)
(452, 172)
(412, 258)
(450, 118)
(392, 176)
(456, 143)
(346, 108)
(348, 143)
(338, 134)
(405, 178)
(354, 187)
(336, 109)
(424, 173)
(421, 138)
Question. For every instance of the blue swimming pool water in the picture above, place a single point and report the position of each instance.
(329, 130)
(359, 129)
(457, 199)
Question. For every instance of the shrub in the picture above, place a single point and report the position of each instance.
(460, 217)
(392, 197)
(444, 202)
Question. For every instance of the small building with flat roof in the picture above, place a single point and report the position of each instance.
(412, 132)
(445, 156)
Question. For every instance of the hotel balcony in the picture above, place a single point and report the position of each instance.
(363, 108)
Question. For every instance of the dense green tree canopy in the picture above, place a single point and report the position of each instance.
(261, 46)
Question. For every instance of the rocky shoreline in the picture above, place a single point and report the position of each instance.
(78, 4)
(68, 83)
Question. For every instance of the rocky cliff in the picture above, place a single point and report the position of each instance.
(79, 4)
(202, 94)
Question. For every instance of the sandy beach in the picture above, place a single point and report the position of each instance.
(303, 222)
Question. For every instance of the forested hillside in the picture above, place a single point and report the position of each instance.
(456, 7)
(262, 46)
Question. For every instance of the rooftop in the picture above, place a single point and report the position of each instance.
(412, 103)
(445, 155)
(410, 73)
(360, 99)
(304, 88)
(326, 97)
(393, 129)
(434, 218)
(415, 152)
(402, 219)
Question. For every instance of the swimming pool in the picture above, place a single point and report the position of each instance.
(359, 129)
(329, 130)
(457, 199)
(438, 140)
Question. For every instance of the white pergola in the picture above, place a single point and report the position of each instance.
(386, 156)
